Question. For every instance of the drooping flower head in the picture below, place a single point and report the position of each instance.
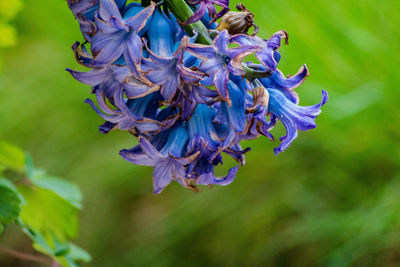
(182, 87)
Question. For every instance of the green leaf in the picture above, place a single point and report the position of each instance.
(48, 213)
(12, 157)
(1, 228)
(29, 166)
(50, 220)
(67, 191)
(40, 243)
(2, 169)
(60, 248)
(79, 254)
(10, 202)
(75, 254)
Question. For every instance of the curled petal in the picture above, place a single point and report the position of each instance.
(210, 179)
(237, 55)
(92, 78)
(198, 14)
(293, 116)
(138, 21)
(136, 155)
(82, 56)
(286, 85)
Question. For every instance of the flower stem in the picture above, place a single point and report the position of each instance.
(27, 257)
(252, 73)
(183, 12)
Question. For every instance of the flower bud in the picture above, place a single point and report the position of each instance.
(237, 22)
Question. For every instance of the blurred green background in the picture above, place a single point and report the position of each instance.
(332, 199)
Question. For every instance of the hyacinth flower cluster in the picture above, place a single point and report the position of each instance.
(173, 73)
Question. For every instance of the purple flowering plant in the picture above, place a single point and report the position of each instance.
(173, 74)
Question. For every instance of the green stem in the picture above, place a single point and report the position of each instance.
(26, 257)
(183, 12)
(252, 74)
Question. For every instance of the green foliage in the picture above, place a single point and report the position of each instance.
(11, 157)
(46, 208)
(8, 34)
(10, 202)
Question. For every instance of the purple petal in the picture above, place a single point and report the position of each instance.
(104, 27)
(109, 9)
(117, 24)
(135, 88)
(107, 48)
(188, 75)
(80, 6)
(228, 178)
(221, 42)
(244, 39)
(149, 149)
(220, 82)
(82, 56)
(274, 42)
(114, 118)
(286, 85)
(134, 53)
(237, 55)
(88, 27)
(168, 89)
(198, 14)
(221, 3)
(162, 175)
(136, 156)
(138, 21)
(92, 78)
(266, 57)
(204, 52)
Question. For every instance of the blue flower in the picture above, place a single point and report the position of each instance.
(219, 60)
(203, 137)
(292, 116)
(84, 11)
(166, 155)
(118, 36)
(188, 103)
(268, 55)
(286, 85)
(207, 5)
(170, 72)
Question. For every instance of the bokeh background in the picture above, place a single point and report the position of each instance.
(332, 199)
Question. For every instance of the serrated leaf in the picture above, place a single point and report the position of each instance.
(66, 190)
(10, 202)
(12, 157)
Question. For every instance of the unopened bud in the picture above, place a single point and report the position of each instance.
(237, 22)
